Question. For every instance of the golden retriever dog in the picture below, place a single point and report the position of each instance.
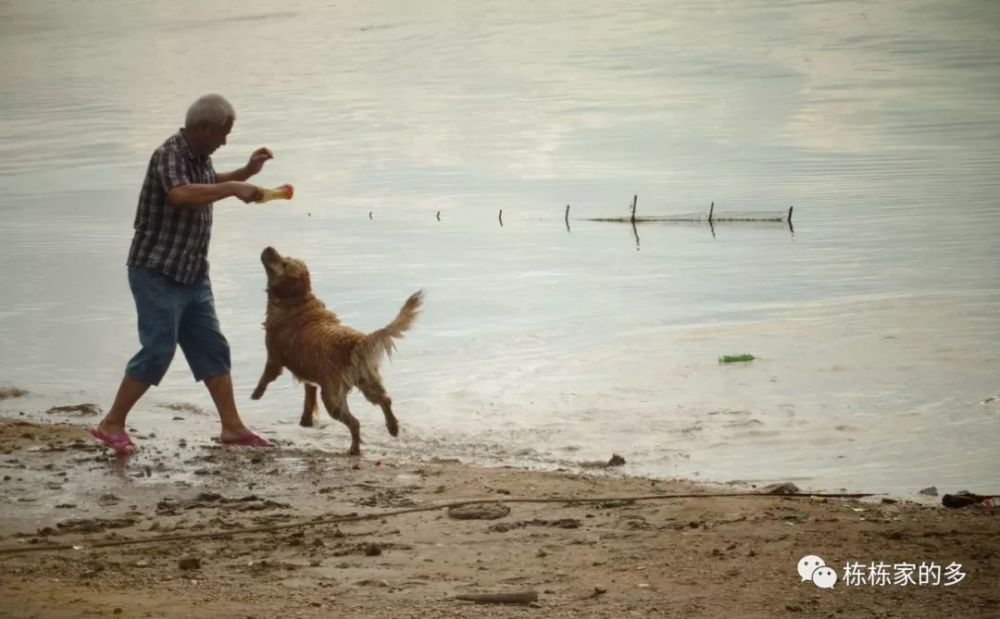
(304, 336)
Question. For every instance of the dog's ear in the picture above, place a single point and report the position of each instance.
(289, 287)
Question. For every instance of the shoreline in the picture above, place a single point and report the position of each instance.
(269, 532)
(84, 413)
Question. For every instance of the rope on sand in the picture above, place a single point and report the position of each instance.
(10, 550)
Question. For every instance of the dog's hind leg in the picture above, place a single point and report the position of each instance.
(272, 370)
(335, 401)
(309, 407)
(375, 393)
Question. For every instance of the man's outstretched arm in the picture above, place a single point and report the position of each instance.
(198, 194)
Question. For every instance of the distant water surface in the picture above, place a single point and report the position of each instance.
(874, 321)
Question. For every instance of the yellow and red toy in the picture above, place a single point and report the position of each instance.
(284, 192)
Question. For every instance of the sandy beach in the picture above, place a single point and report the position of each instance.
(235, 532)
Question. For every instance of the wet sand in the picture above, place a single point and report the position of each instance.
(64, 495)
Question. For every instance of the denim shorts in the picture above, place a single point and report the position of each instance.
(172, 313)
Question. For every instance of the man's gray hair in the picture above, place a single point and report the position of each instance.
(210, 109)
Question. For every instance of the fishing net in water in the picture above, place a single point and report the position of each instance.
(714, 216)
(725, 216)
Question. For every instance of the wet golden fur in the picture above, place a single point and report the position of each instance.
(308, 339)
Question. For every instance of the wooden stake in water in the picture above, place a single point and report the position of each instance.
(635, 199)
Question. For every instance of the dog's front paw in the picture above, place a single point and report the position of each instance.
(257, 394)
(306, 422)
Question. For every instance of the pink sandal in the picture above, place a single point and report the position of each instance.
(248, 439)
(120, 443)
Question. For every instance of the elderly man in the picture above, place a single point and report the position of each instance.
(168, 270)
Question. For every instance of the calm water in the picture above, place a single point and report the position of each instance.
(875, 321)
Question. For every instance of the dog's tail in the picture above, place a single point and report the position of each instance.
(370, 350)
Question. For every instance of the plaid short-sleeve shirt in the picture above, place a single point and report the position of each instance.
(173, 239)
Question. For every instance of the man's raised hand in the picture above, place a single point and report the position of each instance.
(257, 159)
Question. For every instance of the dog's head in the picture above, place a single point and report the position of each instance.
(287, 278)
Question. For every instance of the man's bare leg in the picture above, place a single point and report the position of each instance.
(129, 392)
(221, 389)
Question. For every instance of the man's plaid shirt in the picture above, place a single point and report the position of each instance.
(173, 239)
